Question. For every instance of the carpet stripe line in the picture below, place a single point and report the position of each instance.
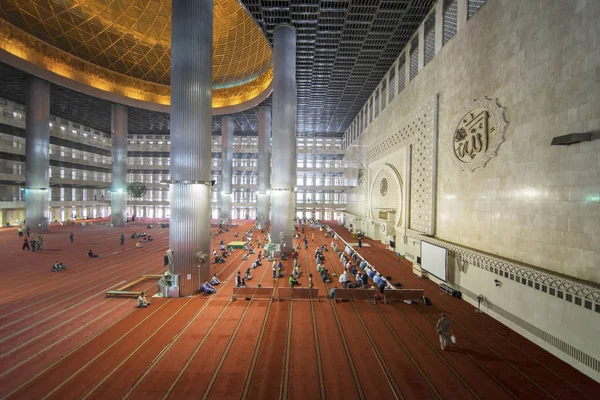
(285, 379)
(125, 267)
(359, 389)
(105, 350)
(68, 283)
(134, 351)
(87, 298)
(445, 361)
(462, 310)
(170, 345)
(410, 356)
(65, 356)
(250, 371)
(320, 372)
(195, 352)
(226, 351)
(67, 336)
(13, 349)
(494, 351)
(380, 360)
(479, 322)
(486, 345)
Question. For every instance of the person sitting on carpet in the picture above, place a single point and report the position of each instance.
(58, 266)
(325, 276)
(139, 245)
(142, 301)
(382, 284)
(207, 288)
(377, 278)
(293, 282)
(245, 256)
(219, 260)
(258, 263)
(296, 272)
(247, 275)
(332, 293)
(214, 280)
(92, 255)
(215, 253)
(343, 279)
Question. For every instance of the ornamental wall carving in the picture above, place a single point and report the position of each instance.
(419, 131)
(478, 132)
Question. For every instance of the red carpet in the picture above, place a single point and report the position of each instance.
(61, 338)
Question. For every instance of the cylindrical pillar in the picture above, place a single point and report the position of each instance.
(118, 185)
(264, 167)
(226, 167)
(283, 196)
(191, 130)
(37, 155)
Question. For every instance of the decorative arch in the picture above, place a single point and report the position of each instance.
(386, 191)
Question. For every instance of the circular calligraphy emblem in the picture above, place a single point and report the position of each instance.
(383, 187)
(477, 134)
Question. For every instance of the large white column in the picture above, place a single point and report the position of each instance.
(227, 127)
(264, 167)
(283, 196)
(191, 129)
(37, 155)
(118, 186)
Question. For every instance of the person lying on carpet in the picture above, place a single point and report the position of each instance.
(214, 280)
(207, 288)
(142, 301)
(92, 255)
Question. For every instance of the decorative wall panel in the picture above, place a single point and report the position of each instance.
(419, 130)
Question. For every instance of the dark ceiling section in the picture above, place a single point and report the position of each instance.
(344, 49)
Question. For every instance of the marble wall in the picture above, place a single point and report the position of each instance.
(533, 203)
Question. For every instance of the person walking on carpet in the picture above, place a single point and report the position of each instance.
(444, 330)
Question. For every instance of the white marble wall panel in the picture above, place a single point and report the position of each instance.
(534, 203)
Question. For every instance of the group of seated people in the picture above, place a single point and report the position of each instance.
(220, 258)
(363, 275)
(58, 266)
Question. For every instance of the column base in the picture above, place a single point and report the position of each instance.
(37, 210)
(118, 205)
(283, 206)
(189, 235)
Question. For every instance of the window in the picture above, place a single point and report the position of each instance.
(429, 39)
(392, 83)
(450, 23)
(474, 6)
(414, 58)
(383, 95)
(402, 73)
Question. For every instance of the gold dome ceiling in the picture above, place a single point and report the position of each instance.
(133, 38)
